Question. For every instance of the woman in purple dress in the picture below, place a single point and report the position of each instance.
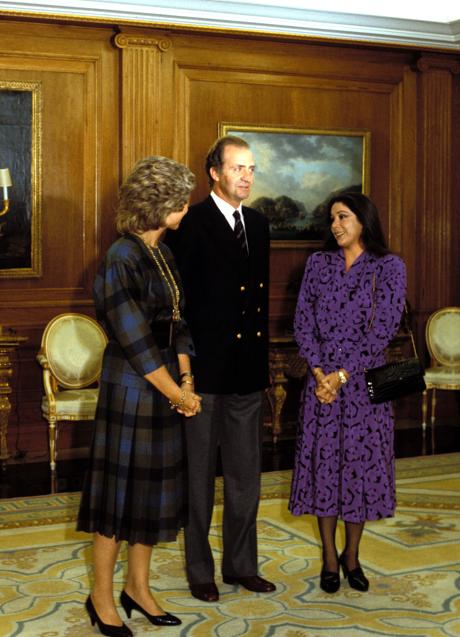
(349, 308)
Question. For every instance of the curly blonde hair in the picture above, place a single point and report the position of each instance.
(156, 187)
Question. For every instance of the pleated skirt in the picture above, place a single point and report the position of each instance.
(134, 487)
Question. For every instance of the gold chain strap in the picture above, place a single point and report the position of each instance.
(371, 320)
(173, 289)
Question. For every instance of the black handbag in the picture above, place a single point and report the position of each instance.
(396, 379)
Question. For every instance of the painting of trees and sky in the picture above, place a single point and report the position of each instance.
(297, 171)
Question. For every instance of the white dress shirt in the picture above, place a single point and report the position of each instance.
(227, 210)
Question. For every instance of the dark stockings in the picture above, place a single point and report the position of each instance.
(353, 532)
(327, 527)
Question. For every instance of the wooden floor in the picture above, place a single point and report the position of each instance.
(25, 478)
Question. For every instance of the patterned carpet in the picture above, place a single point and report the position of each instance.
(411, 560)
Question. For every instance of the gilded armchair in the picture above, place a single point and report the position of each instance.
(442, 335)
(71, 353)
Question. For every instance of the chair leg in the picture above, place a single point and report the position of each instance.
(424, 409)
(433, 407)
(52, 442)
(53, 482)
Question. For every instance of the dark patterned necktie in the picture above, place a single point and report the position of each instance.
(240, 234)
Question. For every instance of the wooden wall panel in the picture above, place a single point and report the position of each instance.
(438, 190)
(77, 69)
(455, 166)
(438, 155)
(79, 103)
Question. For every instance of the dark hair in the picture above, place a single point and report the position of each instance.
(372, 235)
(156, 187)
(214, 158)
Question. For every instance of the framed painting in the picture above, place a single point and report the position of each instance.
(297, 171)
(20, 152)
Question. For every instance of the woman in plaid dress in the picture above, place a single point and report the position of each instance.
(134, 486)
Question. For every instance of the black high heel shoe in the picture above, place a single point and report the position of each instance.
(329, 581)
(356, 577)
(157, 620)
(106, 629)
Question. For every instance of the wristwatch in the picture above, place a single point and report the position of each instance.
(342, 377)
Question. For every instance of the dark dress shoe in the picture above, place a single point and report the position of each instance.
(329, 581)
(106, 629)
(356, 577)
(205, 592)
(253, 583)
(129, 605)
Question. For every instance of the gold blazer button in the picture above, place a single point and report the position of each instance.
(238, 335)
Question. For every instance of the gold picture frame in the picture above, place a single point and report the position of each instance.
(297, 171)
(20, 151)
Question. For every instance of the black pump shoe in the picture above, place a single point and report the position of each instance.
(356, 577)
(329, 581)
(157, 620)
(106, 629)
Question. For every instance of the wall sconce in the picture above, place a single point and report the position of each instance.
(5, 182)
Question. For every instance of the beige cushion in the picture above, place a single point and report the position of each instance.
(443, 375)
(444, 336)
(78, 404)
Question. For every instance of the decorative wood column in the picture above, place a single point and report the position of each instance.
(143, 101)
(435, 203)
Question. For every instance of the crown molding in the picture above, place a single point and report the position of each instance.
(251, 16)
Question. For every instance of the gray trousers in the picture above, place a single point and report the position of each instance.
(233, 422)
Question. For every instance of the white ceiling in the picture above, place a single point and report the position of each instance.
(426, 24)
(435, 11)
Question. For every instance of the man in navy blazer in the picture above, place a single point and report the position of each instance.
(225, 277)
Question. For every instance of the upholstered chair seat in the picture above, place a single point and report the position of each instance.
(71, 354)
(443, 341)
(73, 404)
(443, 376)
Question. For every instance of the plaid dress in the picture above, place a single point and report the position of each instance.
(134, 487)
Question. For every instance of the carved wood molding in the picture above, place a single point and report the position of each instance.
(436, 63)
(126, 40)
(141, 92)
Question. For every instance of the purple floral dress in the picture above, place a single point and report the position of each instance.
(344, 461)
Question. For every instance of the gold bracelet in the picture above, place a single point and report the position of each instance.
(186, 382)
(181, 401)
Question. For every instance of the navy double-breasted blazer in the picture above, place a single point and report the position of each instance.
(226, 298)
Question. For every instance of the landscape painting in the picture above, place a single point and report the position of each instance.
(297, 171)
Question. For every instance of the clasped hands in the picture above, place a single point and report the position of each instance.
(327, 385)
(191, 405)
